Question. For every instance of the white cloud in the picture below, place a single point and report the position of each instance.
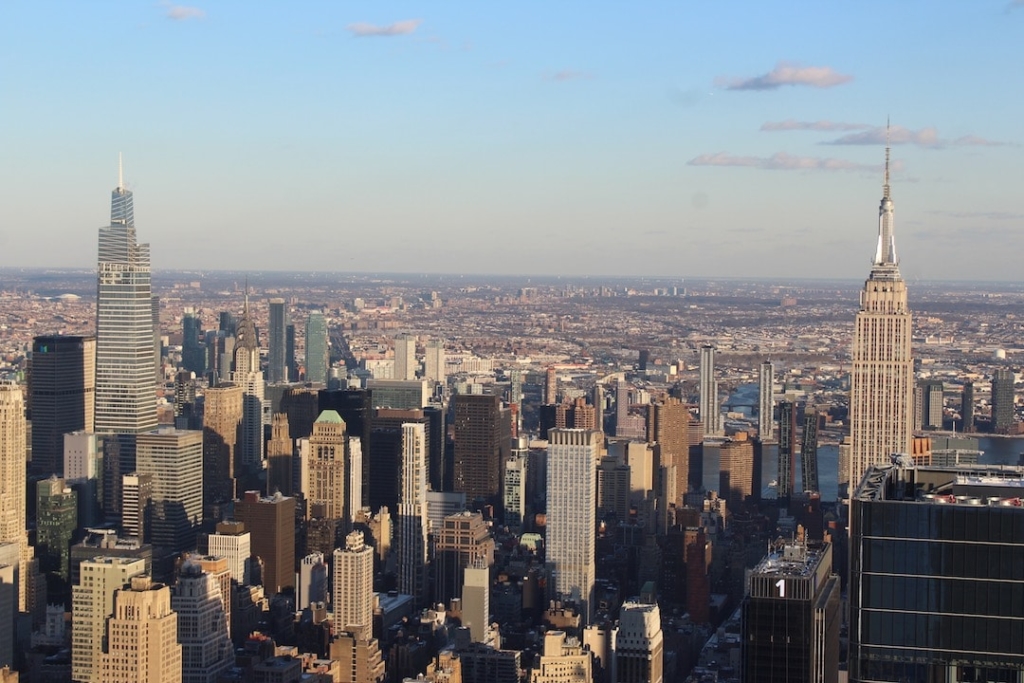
(790, 124)
(184, 12)
(567, 75)
(399, 28)
(786, 73)
(780, 161)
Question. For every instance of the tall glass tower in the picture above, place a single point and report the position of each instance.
(882, 372)
(125, 386)
(316, 348)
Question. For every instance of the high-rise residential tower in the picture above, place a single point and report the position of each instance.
(412, 524)
(1002, 400)
(353, 584)
(317, 349)
(710, 411)
(92, 604)
(125, 383)
(434, 361)
(882, 371)
(766, 402)
(62, 390)
(573, 456)
(277, 368)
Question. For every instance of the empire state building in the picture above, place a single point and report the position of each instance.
(882, 374)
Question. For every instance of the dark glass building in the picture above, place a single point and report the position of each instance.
(1002, 401)
(791, 617)
(482, 433)
(937, 574)
(62, 388)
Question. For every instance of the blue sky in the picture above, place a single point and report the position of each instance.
(682, 139)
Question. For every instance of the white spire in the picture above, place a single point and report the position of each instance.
(885, 251)
(120, 172)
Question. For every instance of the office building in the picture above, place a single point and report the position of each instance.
(246, 373)
(1002, 401)
(271, 521)
(277, 367)
(232, 542)
(791, 617)
(668, 426)
(198, 599)
(92, 601)
(222, 433)
(967, 407)
(476, 602)
(62, 388)
(125, 384)
(358, 656)
(563, 660)
(313, 573)
(9, 611)
(142, 636)
(289, 353)
(280, 456)
(193, 347)
(136, 506)
(334, 480)
(435, 362)
(766, 402)
(412, 524)
(462, 540)
(882, 370)
(737, 471)
(710, 410)
(173, 458)
(186, 416)
(405, 358)
(317, 348)
(56, 523)
(928, 405)
(12, 485)
(573, 456)
(482, 434)
(399, 394)
(513, 492)
(352, 568)
(637, 644)
(935, 574)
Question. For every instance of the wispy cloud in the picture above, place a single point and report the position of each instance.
(973, 215)
(925, 137)
(780, 161)
(399, 28)
(567, 75)
(184, 12)
(831, 126)
(786, 73)
(1015, 4)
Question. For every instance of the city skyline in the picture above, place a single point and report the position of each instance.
(446, 130)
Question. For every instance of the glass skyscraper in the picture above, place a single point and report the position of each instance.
(125, 386)
(316, 348)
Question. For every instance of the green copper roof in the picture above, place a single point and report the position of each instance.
(330, 416)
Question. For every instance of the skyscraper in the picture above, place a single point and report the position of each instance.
(787, 448)
(412, 524)
(277, 367)
(638, 643)
(405, 357)
(967, 407)
(435, 361)
(125, 384)
(482, 435)
(56, 521)
(92, 603)
(573, 456)
(247, 374)
(203, 632)
(766, 402)
(174, 460)
(332, 458)
(935, 574)
(272, 523)
(193, 350)
(668, 426)
(142, 636)
(809, 451)
(222, 432)
(62, 389)
(12, 484)
(791, 617)
(882, 371)
(317, 350)
(1002, 400)
(710, 411)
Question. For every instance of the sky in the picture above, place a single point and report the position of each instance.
(682, 139)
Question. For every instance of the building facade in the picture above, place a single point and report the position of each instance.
(710, 411)
(882, 370)
(62, 387)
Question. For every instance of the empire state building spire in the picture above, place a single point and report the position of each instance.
(885, 252)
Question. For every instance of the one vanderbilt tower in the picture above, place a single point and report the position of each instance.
(125, 389)
(881, 380)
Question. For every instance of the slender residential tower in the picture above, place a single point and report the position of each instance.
(882, 374)
(710, 410)
(766, 402)
(125, 385)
